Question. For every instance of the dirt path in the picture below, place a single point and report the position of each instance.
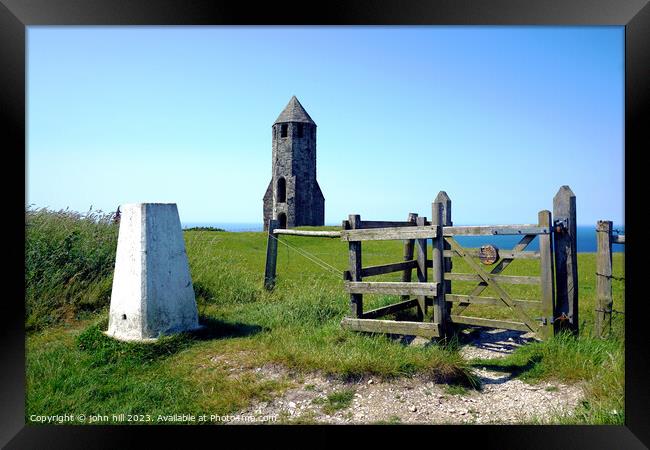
(502, 399)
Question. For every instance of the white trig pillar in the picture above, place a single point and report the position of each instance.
(152, 287)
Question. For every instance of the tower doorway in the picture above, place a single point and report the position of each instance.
(282, 218)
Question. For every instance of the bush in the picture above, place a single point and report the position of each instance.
(69, 261)
(203, 229)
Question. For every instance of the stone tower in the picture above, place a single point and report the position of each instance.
(293, 196)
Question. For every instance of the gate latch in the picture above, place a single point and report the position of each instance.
(561, 318)
(560, 225)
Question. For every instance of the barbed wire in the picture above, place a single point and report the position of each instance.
(609, 311)
(610, 276)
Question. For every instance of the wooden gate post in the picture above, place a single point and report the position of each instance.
(408, 254)
(566, 260)
(271, 256)
(443, 198)
(354, 253)
(604, 302)
(422, 269)
(440, 315)
(546, 273)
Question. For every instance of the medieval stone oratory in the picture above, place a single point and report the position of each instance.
(293, 196)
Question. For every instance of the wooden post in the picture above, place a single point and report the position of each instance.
(271, 256)
(604, 300)
(440, 315)
(546, 274)
(443, 198)
(354, 253)
(566, 260)
(408, 254)
(422, 268)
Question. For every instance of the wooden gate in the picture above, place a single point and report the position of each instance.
(355, 231)
(437, 292)
(557, 307)
(494, 278)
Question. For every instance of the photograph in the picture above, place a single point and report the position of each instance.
(394, 225)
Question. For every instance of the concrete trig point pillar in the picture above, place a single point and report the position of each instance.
(152, 288)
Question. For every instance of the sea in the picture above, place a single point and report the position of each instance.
(586, 236)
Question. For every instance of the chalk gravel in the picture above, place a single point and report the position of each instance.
(502, 399)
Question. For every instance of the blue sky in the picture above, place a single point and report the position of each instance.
(499, 117)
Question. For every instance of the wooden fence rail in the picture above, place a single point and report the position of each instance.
(390, 287)
(392, 233)
(307, 233)
(495, 230)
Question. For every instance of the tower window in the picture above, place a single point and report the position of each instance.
(281, 193)
(283, 130)
(300, 130)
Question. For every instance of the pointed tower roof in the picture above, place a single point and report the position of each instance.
(294, 112)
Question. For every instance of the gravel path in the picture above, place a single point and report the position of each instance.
(501, 400)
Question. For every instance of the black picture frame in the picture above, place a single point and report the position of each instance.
(16, 15)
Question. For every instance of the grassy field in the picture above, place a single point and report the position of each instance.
(73, 368)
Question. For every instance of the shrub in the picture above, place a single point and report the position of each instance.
(69, 261)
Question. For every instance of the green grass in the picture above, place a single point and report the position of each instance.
(82, 371)
(71, 366)
(335, 401)
(455, 389)
(392, 420)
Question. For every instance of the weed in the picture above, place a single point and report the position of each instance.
(338, 400)
(392, 420)
(455, 389)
